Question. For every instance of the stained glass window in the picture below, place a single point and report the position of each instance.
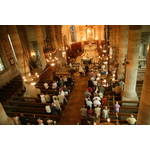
(73, 34)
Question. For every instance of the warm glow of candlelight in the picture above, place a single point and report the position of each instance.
(29, 74)
(35, 73)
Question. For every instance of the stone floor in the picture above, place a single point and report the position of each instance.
(71, 114)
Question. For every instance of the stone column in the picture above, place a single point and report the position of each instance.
(129, 92)
(117, 42)
(4, 119)
(143, 117)
(40, 42)
(113, 41)
(124, 31)
(19, 51)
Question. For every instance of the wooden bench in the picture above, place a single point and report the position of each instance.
(32, 104)
(42, 116)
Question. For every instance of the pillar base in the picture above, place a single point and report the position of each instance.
(8, 121)
(130, 99)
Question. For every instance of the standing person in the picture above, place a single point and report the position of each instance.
(87, 93)
(47, 97)
(116, 107)
(65, 80)
(40, 121)
(81, 71)
(89, 111)
(43, 98)
(86, 69)
(97, 111)
(117, 89)
(89, 103)
(48, 109)
(23, 119)
(34, 119)
(105, 113)
(121, 84)
(96, 102)
(131, 120)
(104, 101)
(102, 89)
(90, 83)
(70, 80)
(61, 81)
(49, 121)
(100, 94)
(61, 99)
(53, 109)
(72, 71)
(54, 85)
(46, 86)
(83, 111)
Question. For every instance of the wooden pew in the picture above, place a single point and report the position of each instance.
(42, 116)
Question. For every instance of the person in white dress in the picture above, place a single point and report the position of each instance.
(105, 113)
(46, 86)
(43, 98)
(81, 70)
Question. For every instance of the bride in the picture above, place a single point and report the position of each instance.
(81, 71)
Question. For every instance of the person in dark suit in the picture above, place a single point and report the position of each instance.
(86, 69)
(53, 109)
(34, 119)
(23, 119)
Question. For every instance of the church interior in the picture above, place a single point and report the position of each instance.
(47, 72)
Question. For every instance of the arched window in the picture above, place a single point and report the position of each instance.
(2, 67)
(73, 34)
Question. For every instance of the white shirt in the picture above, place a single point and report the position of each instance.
(47, 98)
(46, 86)
(83, 112)
(54, 85)
(49, 121)
(62, 93)
(100, 95)
(97, 111)
(48, 109)
(96, 98)
(105, 113)
(89, 103)
(57, 104)
(96, 102)
(95, 83)
(61, 98)
(43, 98)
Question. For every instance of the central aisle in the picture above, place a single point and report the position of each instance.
(72, 114)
